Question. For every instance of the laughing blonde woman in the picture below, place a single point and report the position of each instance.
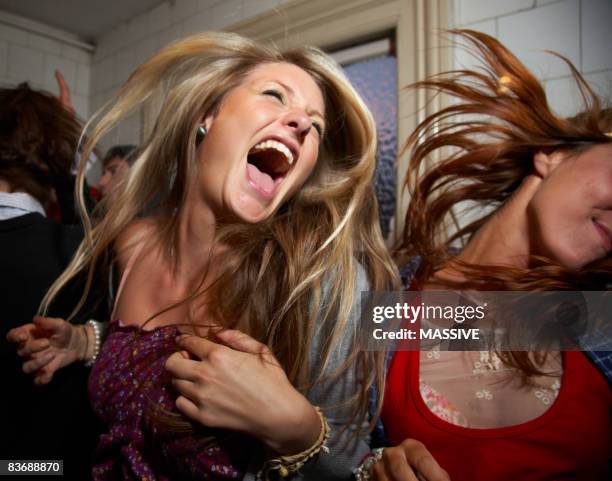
(243, 235)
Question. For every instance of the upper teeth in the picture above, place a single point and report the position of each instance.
(273, 144)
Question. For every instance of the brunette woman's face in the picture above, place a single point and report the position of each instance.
(262, 142)
(571, 212)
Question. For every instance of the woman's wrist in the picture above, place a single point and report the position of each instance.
(296, 429)
(85, 342)
(288, 464)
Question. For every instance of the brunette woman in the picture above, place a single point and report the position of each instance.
(542, 190)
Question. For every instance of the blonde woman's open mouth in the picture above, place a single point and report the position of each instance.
(268, 163)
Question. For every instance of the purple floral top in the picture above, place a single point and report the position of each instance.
(128, 383)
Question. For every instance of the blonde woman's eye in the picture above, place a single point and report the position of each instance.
(275, 93)
(318, 128)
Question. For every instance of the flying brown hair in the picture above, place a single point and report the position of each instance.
(38, 140)
(486, 138)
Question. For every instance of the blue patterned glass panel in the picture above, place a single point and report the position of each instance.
(376, 81)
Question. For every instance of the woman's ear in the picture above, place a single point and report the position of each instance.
(207, 120)
(545, 163)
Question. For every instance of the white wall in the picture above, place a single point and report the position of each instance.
(575, 28)
(125, 47)
(32, 57)
(578, 29)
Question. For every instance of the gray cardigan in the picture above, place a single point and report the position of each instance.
(342, 457)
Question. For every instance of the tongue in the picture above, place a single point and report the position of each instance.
(259, 178)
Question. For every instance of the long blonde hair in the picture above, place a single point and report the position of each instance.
(319, 239)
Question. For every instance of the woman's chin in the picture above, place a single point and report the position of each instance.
(573, 261)
(249, 211)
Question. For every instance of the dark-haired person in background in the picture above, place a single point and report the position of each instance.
(115, 165)
(38, 144)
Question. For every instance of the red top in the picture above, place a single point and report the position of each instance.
(572, 440)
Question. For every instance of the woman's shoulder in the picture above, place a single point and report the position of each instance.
(131, 237)
(326, 325)
(360, 278)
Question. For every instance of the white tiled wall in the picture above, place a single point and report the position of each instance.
(578, 29)
(31, 57)
(125, 47)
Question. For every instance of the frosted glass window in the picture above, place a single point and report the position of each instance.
(376, 81)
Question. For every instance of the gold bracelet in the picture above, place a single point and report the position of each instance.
(287, 465)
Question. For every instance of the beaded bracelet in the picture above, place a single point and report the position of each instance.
(98, 330)
(287, 465)
(362, 472)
